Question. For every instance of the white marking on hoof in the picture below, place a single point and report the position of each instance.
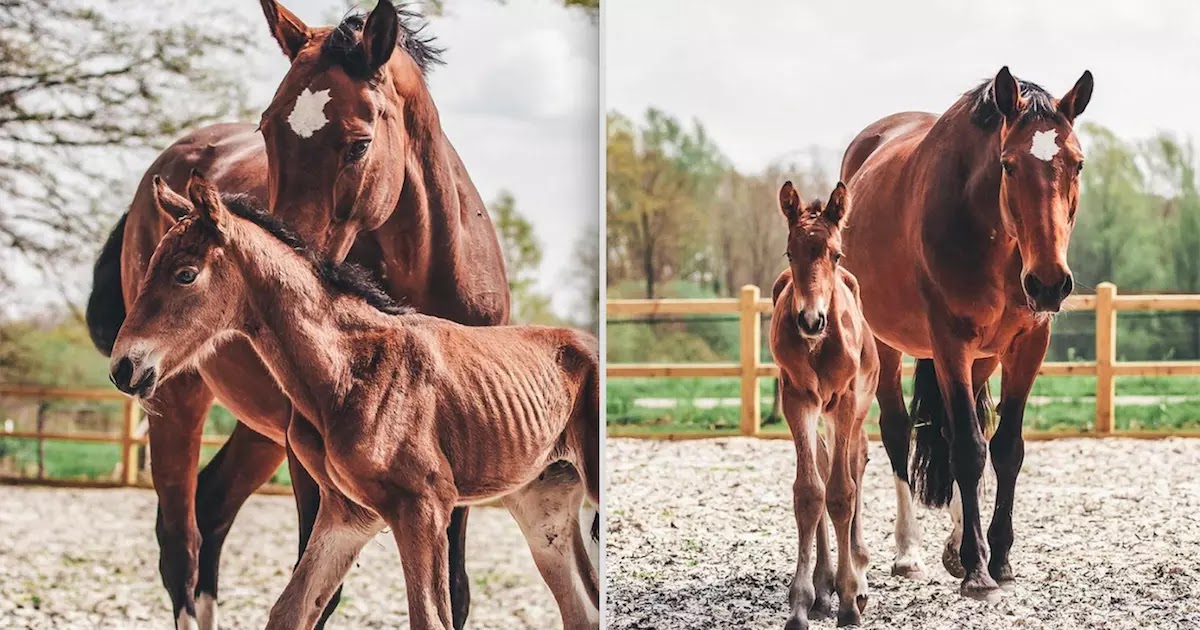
(1044, 146)
(206, 611)
(308, 114)
(185, 621)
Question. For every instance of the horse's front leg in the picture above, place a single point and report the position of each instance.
(1008, 446)
(808, 500)
(981, 371)
(245, 462)
(176, 417)
(338, 535)
(841, 500)
(967, 457)
(895, 428)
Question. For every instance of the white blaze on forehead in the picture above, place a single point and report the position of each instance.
(1044, 145)
(308, 114)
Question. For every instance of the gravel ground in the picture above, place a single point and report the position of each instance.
(701, 535)
(88, 559)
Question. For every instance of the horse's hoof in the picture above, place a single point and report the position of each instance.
(796, 623)
(822, 607)
(982, 588)
(909, 569)
(951, 562)
(849, 617)
(1003, 575)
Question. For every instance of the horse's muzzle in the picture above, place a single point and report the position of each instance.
(128, 379)
(811, 323)
(1047, 296)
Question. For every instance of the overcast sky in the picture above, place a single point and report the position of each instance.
(770, 79)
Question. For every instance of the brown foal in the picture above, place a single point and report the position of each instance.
(405, 416)
(828, 367)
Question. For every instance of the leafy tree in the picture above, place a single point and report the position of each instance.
(85, 84)
(522, 257)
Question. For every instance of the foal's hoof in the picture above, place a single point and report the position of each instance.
(951, 562)
(912, 569)
(982, 588)
(822, 606)
(851, 616)
(796, 623)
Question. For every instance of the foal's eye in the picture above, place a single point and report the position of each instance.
(1079, 168)
(788, 255)
(837, 257)
(185, 276)
(357, 150)
(1008, 167)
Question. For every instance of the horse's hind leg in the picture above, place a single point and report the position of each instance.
(808, 502)
(896, 429)
(547, 510)
(245, 462)
(339, 534)
(176, 417)
(419, 525)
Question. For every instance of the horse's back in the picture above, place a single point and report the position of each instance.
(878, 135)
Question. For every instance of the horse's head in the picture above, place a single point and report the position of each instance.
(814, 250)
(1040, 160)
(189, 295)
(339, 128)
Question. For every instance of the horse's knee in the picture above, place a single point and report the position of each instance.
(969, 456)
(1008, 453)
(809, 497)
(840, 502)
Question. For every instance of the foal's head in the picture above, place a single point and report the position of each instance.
(190, 296)
(1040, 160)
(814, 250)
(340, 125)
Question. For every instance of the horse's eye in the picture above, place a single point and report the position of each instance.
(1079, 169)
(185, 276)
(837, 257)
(788, 254)
(1008, 167)
(357, 150)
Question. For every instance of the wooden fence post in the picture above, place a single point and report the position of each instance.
(750, 337)
(1106, 353)
(129, 470)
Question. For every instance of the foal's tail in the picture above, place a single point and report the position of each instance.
(932, 477)
(106, 304)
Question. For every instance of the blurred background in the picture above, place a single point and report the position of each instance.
(92, 90)
(710, 110)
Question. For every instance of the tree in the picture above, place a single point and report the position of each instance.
(85, 84)
(522, 258)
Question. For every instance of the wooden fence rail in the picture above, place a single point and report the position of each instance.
(750, 305)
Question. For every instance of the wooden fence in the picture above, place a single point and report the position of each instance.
(750, 305)
(128, 439)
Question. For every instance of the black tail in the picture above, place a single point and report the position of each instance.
(596, 527)
(106, 304)
(932, 478)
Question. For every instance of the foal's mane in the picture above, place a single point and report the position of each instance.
(812, 220)
(341, 47)
(342, 278)
(1039, 104)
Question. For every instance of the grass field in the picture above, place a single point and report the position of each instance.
(1060, 403)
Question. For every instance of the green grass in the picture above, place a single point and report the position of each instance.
(1076, 412)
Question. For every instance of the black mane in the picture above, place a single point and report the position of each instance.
(342, 45)
(344, 278)
(1039, 104)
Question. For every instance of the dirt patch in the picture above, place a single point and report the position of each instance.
(701, 535)
(88, 559)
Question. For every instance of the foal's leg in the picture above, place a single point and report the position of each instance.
(981, 371)
(808, 501)
(824, 581)
(419, 525)
(967, 452)
(308, 503)
(176, 417)
(841, 500)
(245, 462)
(896, 429)
(547, 510)
(1008, 446)
(339, 534)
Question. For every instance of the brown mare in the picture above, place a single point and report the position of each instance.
(401, 416)
(359, 165)
(828, 367)
(959, 241)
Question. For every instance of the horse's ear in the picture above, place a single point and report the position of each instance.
(287, 29)
(379, 35)
(835, 210)
(207, 199)
(1006, 94)
(1075, 101)
(789, 202)
(172, 204)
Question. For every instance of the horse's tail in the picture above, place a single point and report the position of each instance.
(932, 477)
(106, 304)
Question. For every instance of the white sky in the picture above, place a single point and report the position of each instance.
(771, 79)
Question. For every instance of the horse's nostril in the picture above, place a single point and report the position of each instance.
(1033, 286)
(122, 373)
(821, 321)
(1068, 285)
